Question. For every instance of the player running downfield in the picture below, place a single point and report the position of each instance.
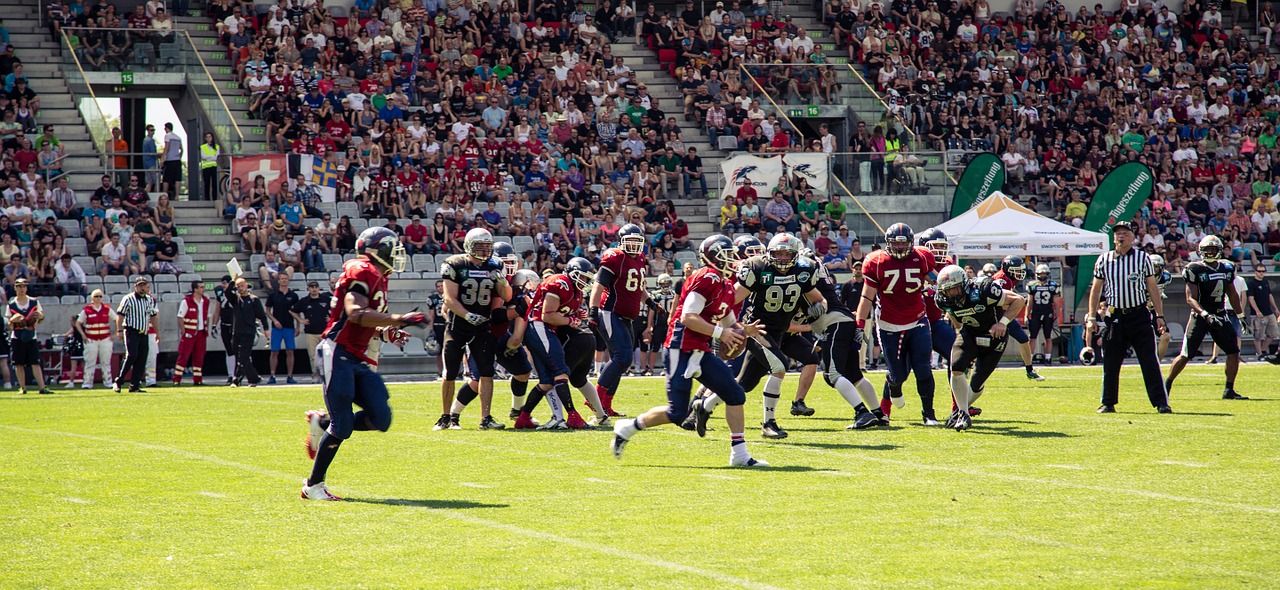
(703, 312)
(616, 300)
(839, 352)
(1042, 292)
(897, 277)
(1209, 285)
(474, 283)
(348, 373)
(507, 325)
(982, 311)
(1012, 271)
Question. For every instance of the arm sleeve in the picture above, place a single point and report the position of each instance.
(605, 276)
(694, 302)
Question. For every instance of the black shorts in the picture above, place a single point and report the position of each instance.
(476, 341)
(1224, 335)
(1038, 322)
(980, 351)
(578, 354)
(172, 171)
(839, 353)
(25, 353)
(773, 356)
(4, 348)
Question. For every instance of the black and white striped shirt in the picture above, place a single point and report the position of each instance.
(1124, 277)
(137, 311)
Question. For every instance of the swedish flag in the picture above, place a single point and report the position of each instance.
(324, 173)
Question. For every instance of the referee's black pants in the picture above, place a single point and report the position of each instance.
(1131, 330)
(244, 359)
(136, 346)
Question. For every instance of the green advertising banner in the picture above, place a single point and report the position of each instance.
(1119, 197)
(984, 175)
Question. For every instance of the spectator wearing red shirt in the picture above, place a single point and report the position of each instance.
(339, 131)
(781, 141)
(415, 237)
(1202, 174)
(1226, 171)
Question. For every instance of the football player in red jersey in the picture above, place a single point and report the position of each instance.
(349, 374)
(615, 302)
(1012, 271)
(897, 275)
(703, 312)
(555, 304)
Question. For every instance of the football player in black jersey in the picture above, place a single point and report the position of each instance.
(656, 326)
(839, 352)
(981, 311)
(1042, 292)
(1210, 282)
(1163, 278)
(773, 285)
(473, 284)
(435, 311)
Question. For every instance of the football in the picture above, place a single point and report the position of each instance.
(727, 353)
(18, 324)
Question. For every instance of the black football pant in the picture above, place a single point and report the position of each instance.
(1135, 330)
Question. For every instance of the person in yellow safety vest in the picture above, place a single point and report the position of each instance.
(892, 145)
(209, 167)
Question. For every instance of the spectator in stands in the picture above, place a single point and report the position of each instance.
(346, 235)
(70, 277)
(165, 260)
(779, 215)
(730, 220)
(115, 257)
(312, 253)
(272, 270)
(289, 251)
(16, 269)
(172, 156)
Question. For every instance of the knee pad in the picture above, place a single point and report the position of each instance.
(830, 377)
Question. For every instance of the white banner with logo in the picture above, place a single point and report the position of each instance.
(811, 166)
(761, 172)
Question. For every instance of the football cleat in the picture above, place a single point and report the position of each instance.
(701, 415)
(963, 422)
(864, 421)
(314, 432)
(574, 421)
(515, 413)
(617, 445)
(748, 462)
(883, 417)
(1231, 394)
(770, 429)
(554, 424)
(930, 419)
(1034, 376)
(600, 421)
(974, 411)
(524, 422)
(799, 409)
(691, 421)
(1106, 409)
(606, 402)
(1164, 410)
(490, 424)
(453, 422)
(442, 423)
(951, 420)
(317, 492)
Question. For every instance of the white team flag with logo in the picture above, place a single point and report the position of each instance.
(811, 166)
(761, 172)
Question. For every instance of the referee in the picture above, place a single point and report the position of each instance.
(1126, 278)
(137, 311)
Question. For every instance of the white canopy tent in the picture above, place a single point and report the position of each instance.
(999, 226)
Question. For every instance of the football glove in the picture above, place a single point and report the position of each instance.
(413, 318)
(859, 336)
(395, 336)
(475, 319)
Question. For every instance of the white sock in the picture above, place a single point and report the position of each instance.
(518, 402)
(557, 406)
(710, 402)
(847, 391)
(457, 407)
(738, 447)
(960, 389)
(867, 392)
(772, 391)
(599, 367)
(231, 365)
(974, 395)
(625, 428)
(593, 397)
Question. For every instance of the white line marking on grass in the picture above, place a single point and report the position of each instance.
(1075, 467)
(478, 486)
(718, 476)
(1010, 477)
(598, 480)
(834, 472)
(1183, 463)
(76, 500)
(446, 512)
(213, 494)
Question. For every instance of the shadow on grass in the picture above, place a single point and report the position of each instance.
(1178, 413)
(68, 395)
(841, 446)
(781, 468)
(433, 504)
(1016, 432)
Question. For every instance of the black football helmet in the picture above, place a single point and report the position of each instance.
(718, 252)
(631, 237)
(748, 246)
(1014, 267)
(581, 272)
(935, 241)
(507, 254)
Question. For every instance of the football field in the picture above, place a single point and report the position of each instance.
(198, 488)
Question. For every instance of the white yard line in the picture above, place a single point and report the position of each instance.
(76, 500)
(1183, 463)
(478, 486)
(213, 494)
(446, 512)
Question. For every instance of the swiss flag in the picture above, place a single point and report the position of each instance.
(273, 168)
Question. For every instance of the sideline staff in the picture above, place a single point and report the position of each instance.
(1126, 278)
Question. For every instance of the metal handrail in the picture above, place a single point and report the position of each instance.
(907, 128)
(783, 114)
(235, 127)
(93, 98)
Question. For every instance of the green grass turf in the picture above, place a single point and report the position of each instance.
(197, 488)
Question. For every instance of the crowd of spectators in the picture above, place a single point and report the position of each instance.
(1066, 96)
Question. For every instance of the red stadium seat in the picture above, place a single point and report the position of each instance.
(666, 56)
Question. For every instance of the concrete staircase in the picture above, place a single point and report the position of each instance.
(42, 62)
(215, 56)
